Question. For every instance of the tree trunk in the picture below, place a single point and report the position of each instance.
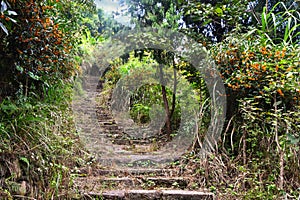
(280, 149)
(174, 94)
(281, 173)
(166, 104)
(244, 155)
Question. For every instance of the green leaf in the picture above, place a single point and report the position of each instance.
(264, 20)
(219, 11)
(277, 103)
(206, 22)
(274, 24)
(10, 12)
(33, 76)
(14, 21)
(4, 28)
(3, 6)
(293, 139)
(283, 62)
(9, 109)
(267, 89)
(19, 68)
(24, 159)
(287, 30)
(290, 75)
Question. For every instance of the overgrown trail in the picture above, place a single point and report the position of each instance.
(132, 171)
(137, 183)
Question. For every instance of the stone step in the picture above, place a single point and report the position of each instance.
(103, 108)
(110, 127)
(152, 195)
(166, 182)
(137, 172)
(113, 134)
(107, 123)
(122, 158)
(135, 182)
(103, 120)
(128, 141)
(105, 116)
(103, 111)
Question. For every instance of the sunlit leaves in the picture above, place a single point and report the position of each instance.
(280, 26)
(256, 59)
(212, 20)
(43, 42)
(5, 18)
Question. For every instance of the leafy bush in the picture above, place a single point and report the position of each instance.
(41, 44)
(38, 146)
(261, 72)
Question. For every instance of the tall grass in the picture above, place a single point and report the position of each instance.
(38, 144)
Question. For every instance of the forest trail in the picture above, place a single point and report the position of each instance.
(134, 173)
(138, 183)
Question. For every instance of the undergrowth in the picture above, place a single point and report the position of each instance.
(229, 178)
(38, 144)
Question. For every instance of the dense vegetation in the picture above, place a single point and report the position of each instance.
(255, 46)
(39, 58)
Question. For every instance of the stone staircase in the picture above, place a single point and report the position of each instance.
(131, 184)
(141, 177)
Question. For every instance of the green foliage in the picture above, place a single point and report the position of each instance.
(254, 66)
(147, 99)
(140, 113)
(155, 13)
(143, 101)
(281, 26)
(108, 25)
(36, 135)
(256, 49)
(42, 43)
(134, 63)
(38, 146)
(41, 46)
(261, 71)
(5, 16)
(210, 21)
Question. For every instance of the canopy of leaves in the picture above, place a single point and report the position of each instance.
(39, 47)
